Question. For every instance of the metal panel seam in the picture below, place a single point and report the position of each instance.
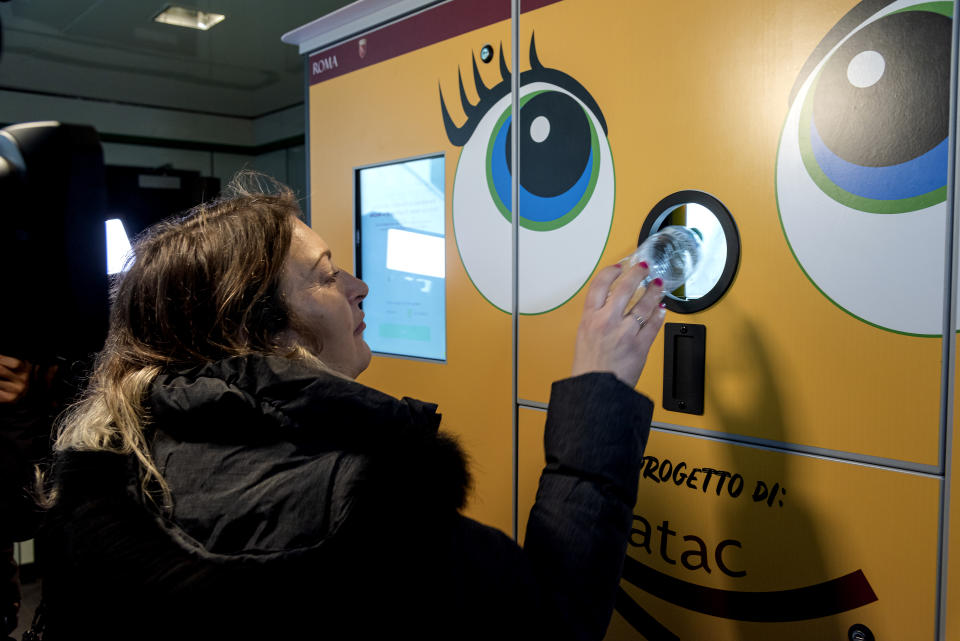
(784, 447)
(306, 139)
(515, 242)
(947, 379)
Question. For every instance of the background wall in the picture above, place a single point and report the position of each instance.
(215, 145)
(210, 100)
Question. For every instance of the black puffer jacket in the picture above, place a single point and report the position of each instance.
(314, 506)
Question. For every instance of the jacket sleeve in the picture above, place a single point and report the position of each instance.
(576, 537)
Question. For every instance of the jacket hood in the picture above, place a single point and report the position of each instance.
(290, 395)
(268, 453)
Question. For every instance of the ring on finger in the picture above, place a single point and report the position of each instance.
(640, 319)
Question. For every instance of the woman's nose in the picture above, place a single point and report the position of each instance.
(358, 289)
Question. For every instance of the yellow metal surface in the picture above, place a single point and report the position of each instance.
(780, 522)
(695, 95)
(391, 111)
(799, 521)
(952, 578)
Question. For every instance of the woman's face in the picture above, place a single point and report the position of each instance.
(325, 301)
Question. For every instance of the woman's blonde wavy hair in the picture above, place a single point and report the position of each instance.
(199, 288)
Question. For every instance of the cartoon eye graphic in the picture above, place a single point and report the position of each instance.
(566, 186)
(862, 165)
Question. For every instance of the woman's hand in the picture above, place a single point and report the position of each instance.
(611, 338)
(14, 378)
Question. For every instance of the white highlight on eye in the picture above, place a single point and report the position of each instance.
(866, 69)
(540, 129)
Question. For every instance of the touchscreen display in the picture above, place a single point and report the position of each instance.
(401, 256)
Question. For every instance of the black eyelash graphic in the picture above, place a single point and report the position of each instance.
(489, 96)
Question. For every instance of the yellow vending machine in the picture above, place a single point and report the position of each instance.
(796, 484)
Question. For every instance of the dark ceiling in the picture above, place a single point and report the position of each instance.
(112, 50)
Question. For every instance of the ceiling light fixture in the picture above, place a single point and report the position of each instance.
(192, 18)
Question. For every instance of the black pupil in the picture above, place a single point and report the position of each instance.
(902, 115)
(554, 164)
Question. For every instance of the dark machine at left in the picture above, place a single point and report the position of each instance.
(52, 242)
(53, 314)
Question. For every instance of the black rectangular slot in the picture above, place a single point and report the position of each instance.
(684, 359)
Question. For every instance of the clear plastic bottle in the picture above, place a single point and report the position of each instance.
(673, 254)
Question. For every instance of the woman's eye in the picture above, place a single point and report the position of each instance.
(329, 277)
(862, 164)
(566, 187)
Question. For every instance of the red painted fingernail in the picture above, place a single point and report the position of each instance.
(658, 282)
(644, 264)
(663, 305)
(619, 265)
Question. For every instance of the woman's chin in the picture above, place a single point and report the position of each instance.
(365, 357)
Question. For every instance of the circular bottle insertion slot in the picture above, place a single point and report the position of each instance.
(720, 254)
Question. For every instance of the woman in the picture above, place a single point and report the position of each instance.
(226, 477)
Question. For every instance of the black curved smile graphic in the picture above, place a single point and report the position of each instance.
(838, 595)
